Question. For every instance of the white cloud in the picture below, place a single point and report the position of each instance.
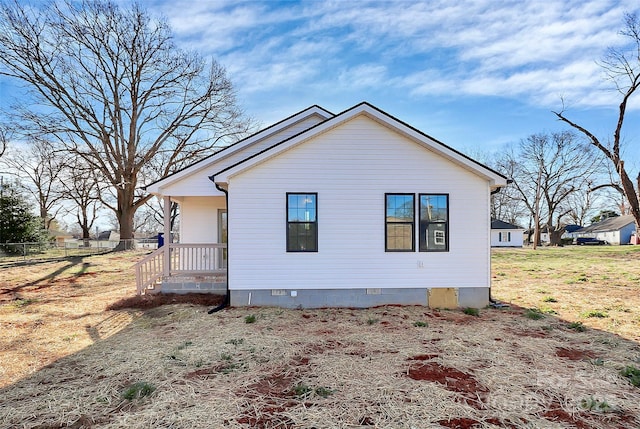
(535, 51)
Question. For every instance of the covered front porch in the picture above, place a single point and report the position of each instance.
(192, 265)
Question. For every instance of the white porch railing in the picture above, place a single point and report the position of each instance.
(182, 259)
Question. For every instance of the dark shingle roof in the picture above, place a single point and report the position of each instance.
(609, 224)
(498, 224)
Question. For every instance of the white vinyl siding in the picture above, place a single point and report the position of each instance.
(198, 183)
(199, 219)
(351, 168)
(507, 237)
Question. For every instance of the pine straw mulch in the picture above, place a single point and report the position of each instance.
(337, 368)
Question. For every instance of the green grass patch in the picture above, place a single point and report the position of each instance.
(22, 302)
(471, 311)
(595, 405)
(235, 341)
(138, 390)
(250, 318)
(577, 326)
(533, 314)
(301, 390)
(632, 373)
(420, 324)
(549, 299)
(597, 314)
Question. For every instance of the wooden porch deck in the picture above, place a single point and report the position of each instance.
(174, 260)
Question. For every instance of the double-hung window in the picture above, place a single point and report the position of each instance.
(504, 237)
(434, 222)
(399, 222)
(302, 222)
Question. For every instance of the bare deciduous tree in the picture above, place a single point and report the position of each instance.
(4, 138)
(82, 187)
(39, 168)
(548, 169)
(507, 204)
(113, 88)
(622, 67)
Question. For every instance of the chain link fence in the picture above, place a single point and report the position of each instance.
(12, 253)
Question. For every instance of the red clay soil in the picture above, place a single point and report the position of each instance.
(574, 354)
(452, 379)
(467, 423)
(157, 300)
(423, 357)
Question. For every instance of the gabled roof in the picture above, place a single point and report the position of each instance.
(238, 146)
(496, 179)
(498, 224)
(609, 224)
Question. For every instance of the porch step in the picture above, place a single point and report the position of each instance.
(154, 288)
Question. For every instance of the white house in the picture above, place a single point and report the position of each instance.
(504, 234)
(613, 230)
(353, 209)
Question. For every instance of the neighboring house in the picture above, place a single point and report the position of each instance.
(613, 230)
(570, 231)
(60, 237)
(109, 236)
(354, 209)
(544, 235)
(504, 234)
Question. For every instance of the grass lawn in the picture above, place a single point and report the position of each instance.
(563, 355)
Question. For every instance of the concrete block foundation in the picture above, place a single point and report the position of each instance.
(358, 298)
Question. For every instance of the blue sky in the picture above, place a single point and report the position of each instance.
(474, 74)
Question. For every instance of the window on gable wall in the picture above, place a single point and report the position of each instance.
(399, 222)
(434, 223)
(302, 222)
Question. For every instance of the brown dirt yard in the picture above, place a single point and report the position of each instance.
(76, 351)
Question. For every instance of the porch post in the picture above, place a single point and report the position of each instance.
(166, 266)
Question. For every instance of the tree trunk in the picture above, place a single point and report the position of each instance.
(630, 193)
(555, 236)
(125, 220)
